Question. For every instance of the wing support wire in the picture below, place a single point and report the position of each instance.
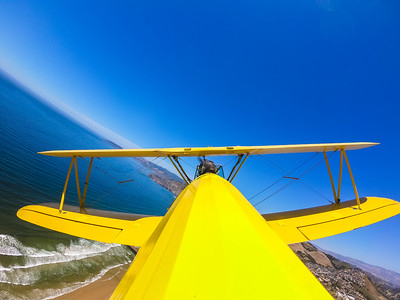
(180, 170)
(337, 195)
(81, 198)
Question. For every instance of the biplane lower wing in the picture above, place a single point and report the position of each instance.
(293, 226)
(318, 222)
(134, 232)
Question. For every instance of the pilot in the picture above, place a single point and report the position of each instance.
(207, 166)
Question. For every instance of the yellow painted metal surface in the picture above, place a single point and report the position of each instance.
(102, 229)
(213, 244)
(340, 176)
(352, 178)
(318, 222)
(82, 204)
(77, 182)
(66, 183)
(330, 177)
(210, 151)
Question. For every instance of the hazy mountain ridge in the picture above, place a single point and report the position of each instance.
(390, 277)
(163, 177)
(158, 174)
(341, 279)
(112, 144)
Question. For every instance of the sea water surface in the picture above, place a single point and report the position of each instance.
(36, 263)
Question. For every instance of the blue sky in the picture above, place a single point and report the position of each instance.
(217, 73)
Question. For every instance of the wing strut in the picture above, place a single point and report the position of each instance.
(234, 167)
(180, 170)
(337, 195)
(77, 182)
(74, 161)
(66, 184)
(337, 200)
(86, 182)
(352, 179)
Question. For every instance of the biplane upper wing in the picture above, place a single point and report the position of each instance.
(134, 230)
(210, 151)
(318, 222)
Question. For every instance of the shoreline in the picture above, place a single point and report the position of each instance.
(99, 289)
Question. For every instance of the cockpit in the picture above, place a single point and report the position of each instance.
(208, 166)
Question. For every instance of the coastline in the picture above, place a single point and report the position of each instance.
(99, 289)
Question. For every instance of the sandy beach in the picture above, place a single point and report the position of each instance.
(101, 289)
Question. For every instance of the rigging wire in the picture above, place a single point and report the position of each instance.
(229, 162)
(111, 189)
(140, 166)
(153, 160)
(300, 181)
(272, 163)
(318, 163)
(106, 173)
(283, 177)
(316, 191)
(108, 193)
(180, 158)
(117, 171)
(118, 182)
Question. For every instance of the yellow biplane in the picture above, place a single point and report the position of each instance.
(212, 243)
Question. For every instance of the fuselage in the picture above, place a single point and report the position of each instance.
(213, 244)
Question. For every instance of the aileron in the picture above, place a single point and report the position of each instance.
(318, 222)
(102, 229)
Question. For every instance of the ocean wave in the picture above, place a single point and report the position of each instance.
(33, 257)
(10, 246)
(59, 292)
(51, 293)
(35, 265)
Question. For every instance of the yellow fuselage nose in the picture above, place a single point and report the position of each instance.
(213, 244)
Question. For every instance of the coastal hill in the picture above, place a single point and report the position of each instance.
(343, 280)
(163, 177)
(386, 275)
(158, 174)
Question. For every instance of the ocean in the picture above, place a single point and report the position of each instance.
(36, 263)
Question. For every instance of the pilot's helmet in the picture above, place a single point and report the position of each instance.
(207, 166)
